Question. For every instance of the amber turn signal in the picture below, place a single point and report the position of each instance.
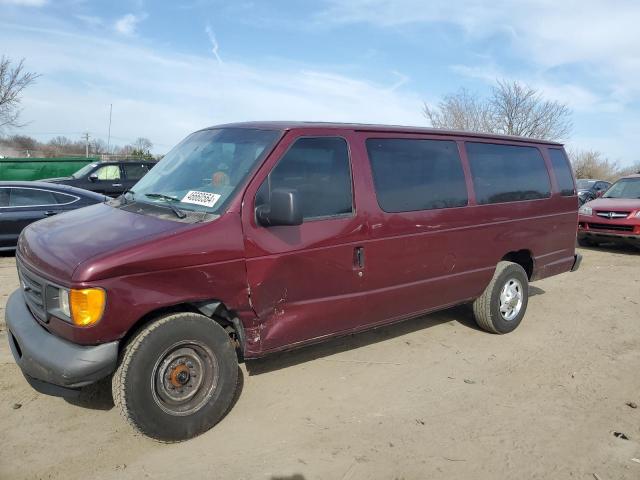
(87, 306)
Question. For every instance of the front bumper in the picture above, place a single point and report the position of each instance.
(614, 237)
(51, 364)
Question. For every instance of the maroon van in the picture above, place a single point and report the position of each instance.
(252, 238)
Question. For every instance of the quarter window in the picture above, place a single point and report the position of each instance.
(562, 171)
(507, 173)
(318, 169)
(414, 174)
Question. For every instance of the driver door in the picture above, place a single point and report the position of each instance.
(305, 280)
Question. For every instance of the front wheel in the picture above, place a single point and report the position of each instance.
(503, 303)
(177, 377)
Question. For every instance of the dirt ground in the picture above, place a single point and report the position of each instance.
(433, 397)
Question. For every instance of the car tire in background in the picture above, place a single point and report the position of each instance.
(176, 377)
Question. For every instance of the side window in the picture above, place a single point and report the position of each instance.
(507, 173)
(108, 172)
(561, 168)
(28, 197)
(63, 198)
(318, 169)
(4, 197)
(413, 174)
(135, 171)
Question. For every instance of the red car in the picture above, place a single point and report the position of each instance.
(252, 238)
(614, 217)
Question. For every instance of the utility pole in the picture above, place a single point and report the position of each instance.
(86, 146)
(109, 135)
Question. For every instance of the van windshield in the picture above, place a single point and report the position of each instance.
(204, 170)
(625, 188)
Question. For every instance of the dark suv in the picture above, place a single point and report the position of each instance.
(108, 178)
(589, 189)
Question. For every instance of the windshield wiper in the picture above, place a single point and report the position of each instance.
(179, 213)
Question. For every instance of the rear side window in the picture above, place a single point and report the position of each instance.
(562, 172)
(414, 174)
(318, 169)
(507, 173)
(135, 171)
(29, 197)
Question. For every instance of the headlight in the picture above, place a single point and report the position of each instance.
(87, 306)
(63, 302)
(584, 210)
(637, 214)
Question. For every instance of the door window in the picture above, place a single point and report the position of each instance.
(4, 197)
(29, 197)
(507, 173)
(318, 169)
(108, 172)
(135, 171)
(414, 174)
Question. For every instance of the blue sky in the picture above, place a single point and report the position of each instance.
(172, 67)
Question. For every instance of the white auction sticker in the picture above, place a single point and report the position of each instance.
(201, 198)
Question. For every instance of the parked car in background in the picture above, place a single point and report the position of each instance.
(615, 217)
(22, 203)
(109, 178)
(589, 189)
(252, 238)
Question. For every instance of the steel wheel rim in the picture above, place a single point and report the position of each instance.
(511, 299)
(184, 377)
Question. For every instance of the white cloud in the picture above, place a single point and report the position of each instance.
(127, 24)
(164, 96)
(601, 34)
(24, 3)
(214, 42)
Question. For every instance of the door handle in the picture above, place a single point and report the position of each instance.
(358, 257)
(116, 184)
(50, 213)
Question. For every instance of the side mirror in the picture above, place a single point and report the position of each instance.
(283, 209)
(93, 177)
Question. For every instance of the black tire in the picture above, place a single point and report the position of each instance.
(152, 372)
(487, 308)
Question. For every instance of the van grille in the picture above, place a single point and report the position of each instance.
(606, 226)
(33, 287)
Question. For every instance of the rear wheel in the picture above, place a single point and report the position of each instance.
(503, 303)
(177, 377)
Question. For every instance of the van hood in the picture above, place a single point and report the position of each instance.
(57, 245)
(615, 204)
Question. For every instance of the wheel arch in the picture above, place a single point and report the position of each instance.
(215, 309)
(524, 258)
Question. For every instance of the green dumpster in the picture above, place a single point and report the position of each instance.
(39, 168)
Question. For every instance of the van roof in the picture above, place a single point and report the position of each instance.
(366, 127)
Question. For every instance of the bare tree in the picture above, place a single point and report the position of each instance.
(142, 144)
(461, 111)
(13, 80)
(511, 109)
(593, 164)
